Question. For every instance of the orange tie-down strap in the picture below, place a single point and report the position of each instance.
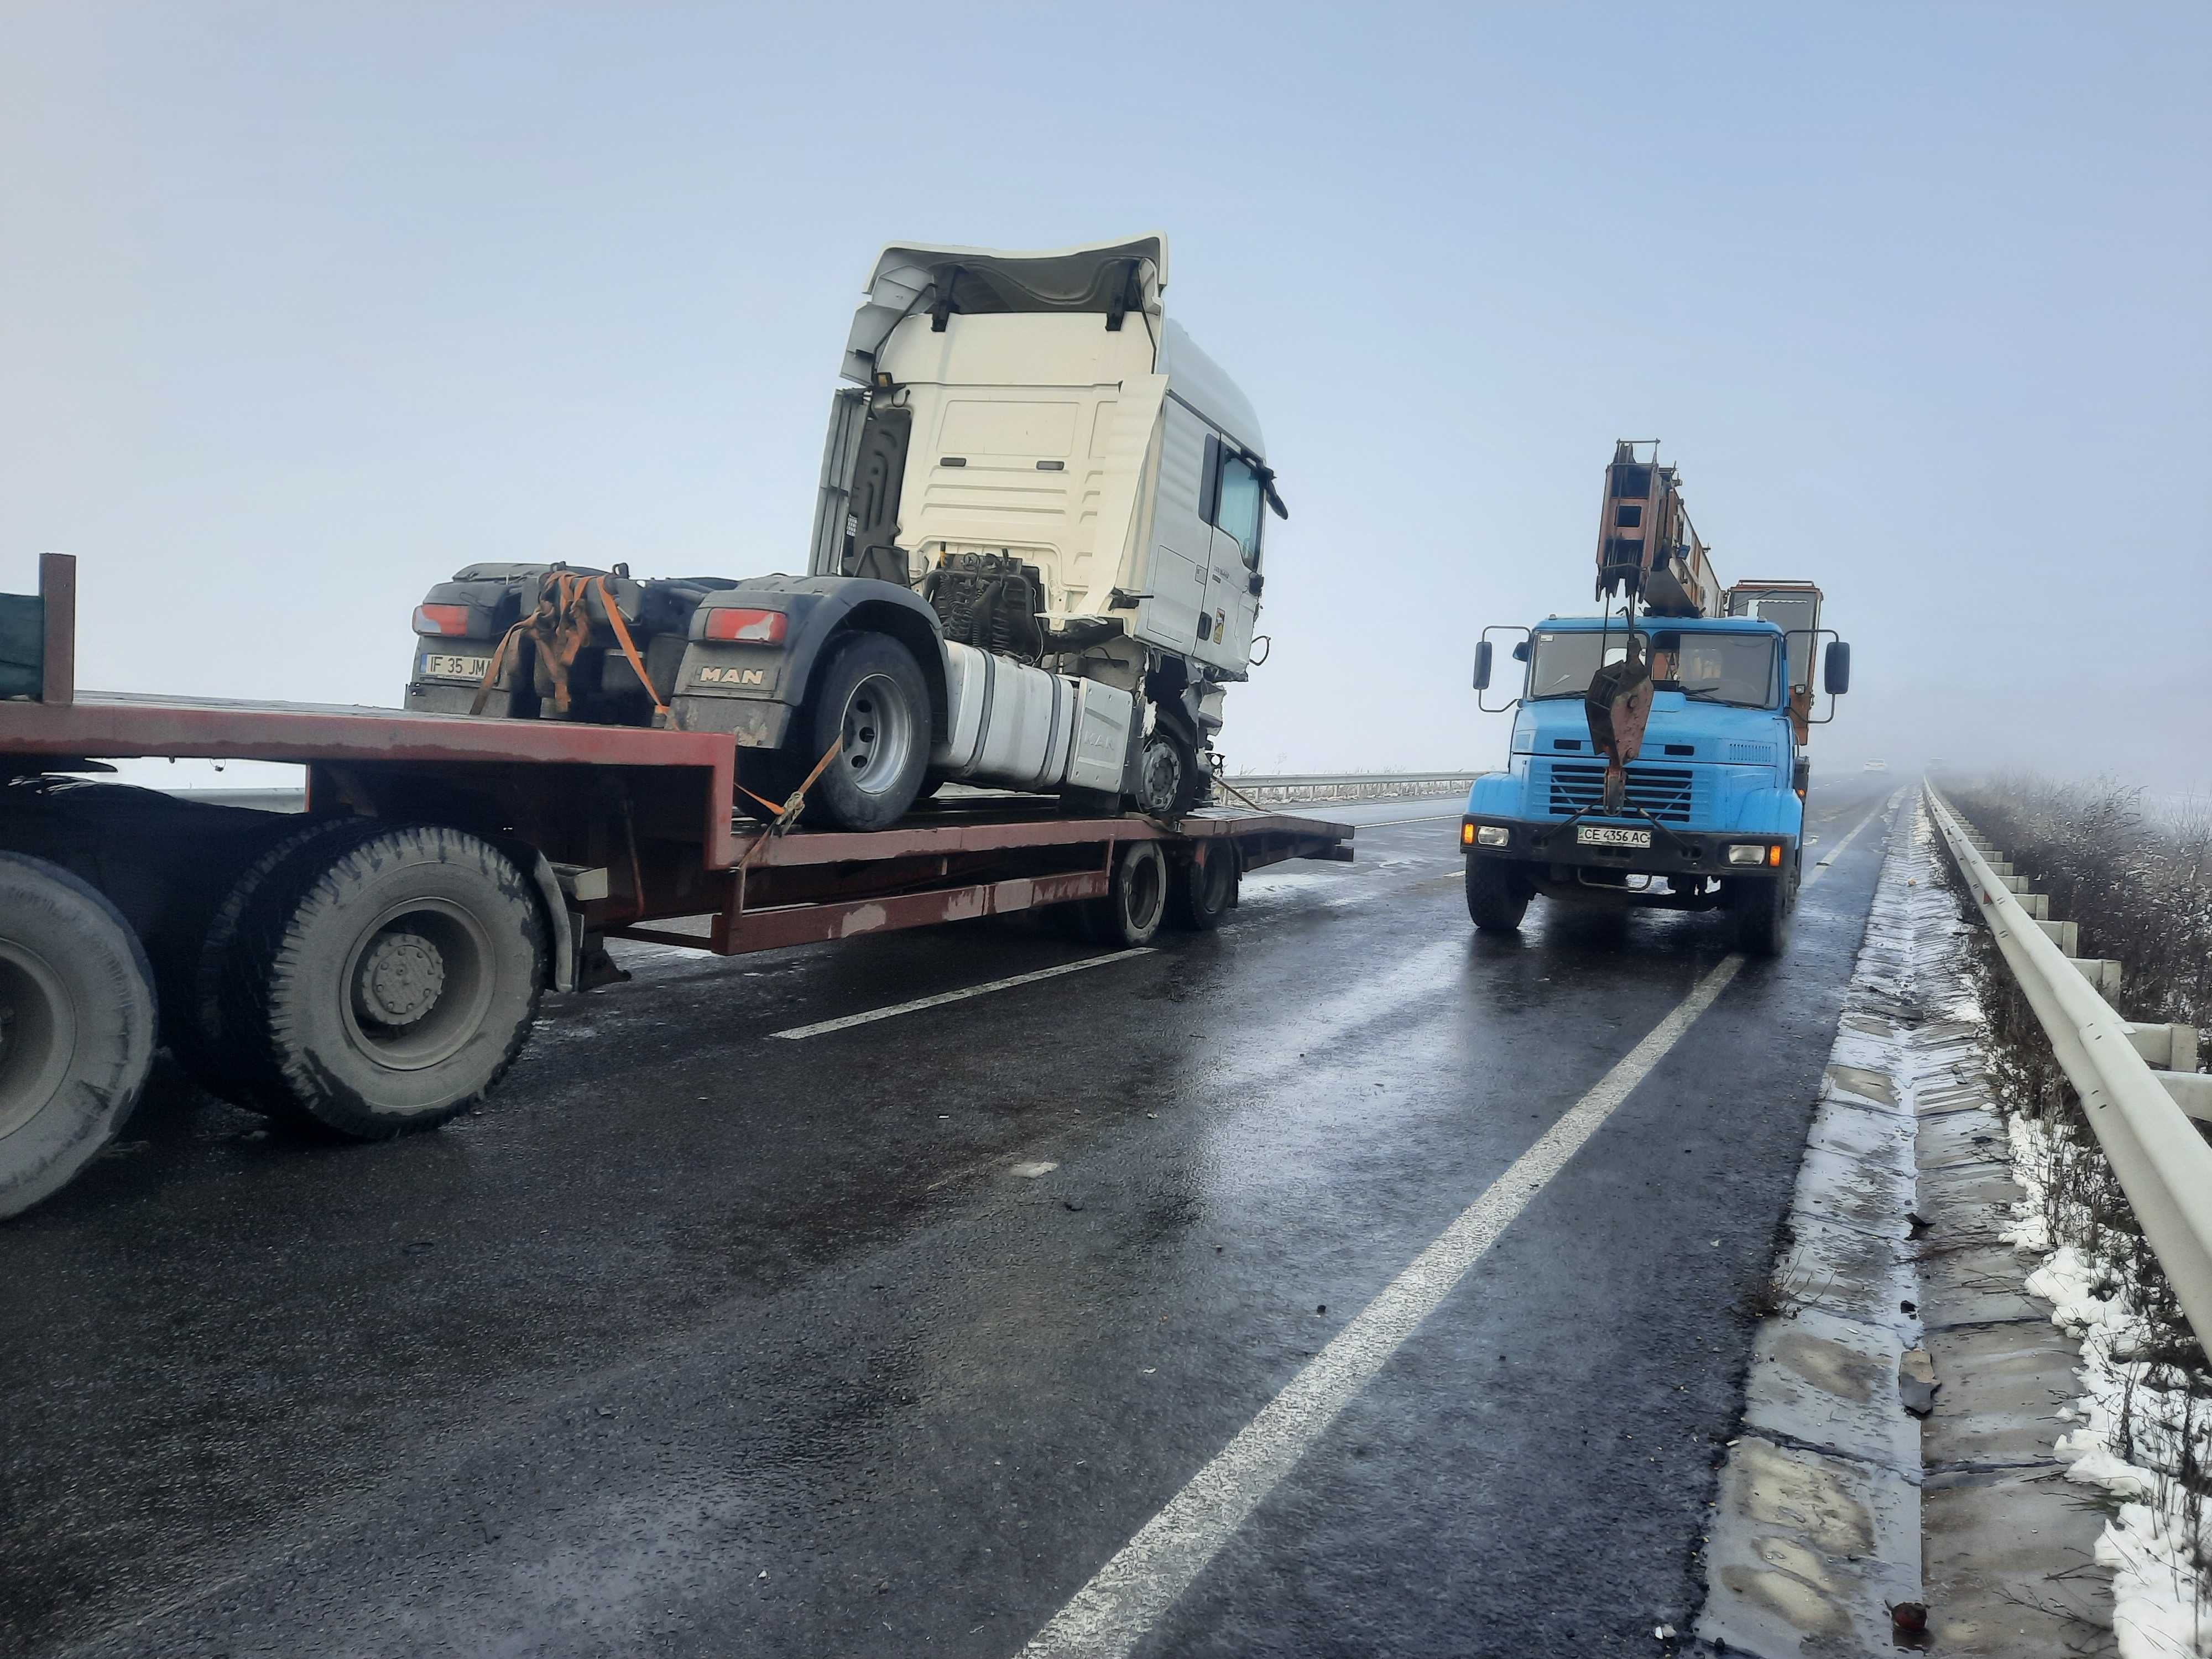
(560, 624)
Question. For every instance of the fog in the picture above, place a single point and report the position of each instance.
(303, 307)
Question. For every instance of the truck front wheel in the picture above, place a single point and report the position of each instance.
(76, 1027)
(870, 700)
(1497, 896)
(1763, 909)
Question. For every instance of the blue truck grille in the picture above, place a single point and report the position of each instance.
(1665, 792)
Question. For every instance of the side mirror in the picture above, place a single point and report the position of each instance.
(1482, 666)
(1256, 581)
(1520, 650)
(1836, 669)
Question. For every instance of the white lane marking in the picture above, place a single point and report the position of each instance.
(1837, 852)
(1111, 1615)
(944, 997)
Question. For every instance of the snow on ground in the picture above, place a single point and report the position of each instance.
(2159, 1602)
(2128, 1403)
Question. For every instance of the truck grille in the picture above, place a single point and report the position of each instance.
(1664, 792)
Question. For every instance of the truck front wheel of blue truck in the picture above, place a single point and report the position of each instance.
(1762, 907)
(1497, 895)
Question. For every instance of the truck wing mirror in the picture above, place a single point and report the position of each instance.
(1836, 669)
(1482, 666)
(1520, 650)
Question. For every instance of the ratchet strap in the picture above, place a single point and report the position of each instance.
(562, 625)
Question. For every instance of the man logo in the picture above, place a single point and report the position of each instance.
(732, 677)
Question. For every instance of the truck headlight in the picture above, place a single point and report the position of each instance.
(1492, 834)
(1748, 852)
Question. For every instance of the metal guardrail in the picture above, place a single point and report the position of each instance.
(1349, 786)
(2163, 1163)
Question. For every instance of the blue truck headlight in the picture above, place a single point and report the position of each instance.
(1492, 834)
(1748, 852)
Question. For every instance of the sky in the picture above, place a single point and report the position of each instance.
(302, 308)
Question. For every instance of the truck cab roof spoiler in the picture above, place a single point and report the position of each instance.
(1109, 278)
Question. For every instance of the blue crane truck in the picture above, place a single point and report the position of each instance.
(1659, 751)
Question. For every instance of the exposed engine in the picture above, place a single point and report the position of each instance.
(992, 601)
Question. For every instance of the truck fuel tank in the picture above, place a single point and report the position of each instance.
(1020, 727)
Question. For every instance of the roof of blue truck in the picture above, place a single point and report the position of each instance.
(1686, 624)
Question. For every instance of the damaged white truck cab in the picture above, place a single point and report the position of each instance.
(1046, 471)
(1036, 563)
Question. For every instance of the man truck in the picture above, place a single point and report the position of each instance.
(1658, 752)
(1036, 565)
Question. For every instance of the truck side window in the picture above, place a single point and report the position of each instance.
(1238, 506)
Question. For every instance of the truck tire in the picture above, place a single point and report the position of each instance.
(871, 699)
(77, 1023)
(1136, 899)
(1200, 895)
(1167, 776)
(385, 985)
(195, 1020)
(1497, 896)
(1763, 911)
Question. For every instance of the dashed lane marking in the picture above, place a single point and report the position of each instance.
(944, 997)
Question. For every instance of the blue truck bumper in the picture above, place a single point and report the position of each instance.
(1551, 854)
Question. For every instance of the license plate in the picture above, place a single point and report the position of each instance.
(1599, 834)
(437, 665)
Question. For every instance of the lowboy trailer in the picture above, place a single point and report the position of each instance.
(374, 964)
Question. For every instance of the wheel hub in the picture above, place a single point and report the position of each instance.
(401, 978)
(1162, 776)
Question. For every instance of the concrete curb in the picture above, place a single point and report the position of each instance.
(1816, 1532)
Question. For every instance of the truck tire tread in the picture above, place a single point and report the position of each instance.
(85, 951)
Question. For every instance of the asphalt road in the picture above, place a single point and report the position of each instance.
(884, 1341)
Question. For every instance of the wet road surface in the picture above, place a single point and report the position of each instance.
(886, 1340)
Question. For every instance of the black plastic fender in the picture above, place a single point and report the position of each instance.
(722, 684)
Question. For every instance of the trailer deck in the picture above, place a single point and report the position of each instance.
(373, 964)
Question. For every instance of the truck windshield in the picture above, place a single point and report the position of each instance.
(1730, 668)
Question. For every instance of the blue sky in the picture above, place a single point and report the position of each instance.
(303, 307)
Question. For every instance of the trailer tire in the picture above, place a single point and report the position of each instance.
(387, 985)
(1202, 895)
(1763, 913)
(870, 698)
(1496, 896)
(197, 1015)
(77, 1024)
(1136, 899)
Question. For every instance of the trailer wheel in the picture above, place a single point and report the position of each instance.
(389, 985)
(76, 1027)
(870, 700)
(196, 1014)
(1136, 899)
(1497, 896)
(1764, 910)
(1201, 895)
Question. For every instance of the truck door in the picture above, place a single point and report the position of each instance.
(1231, 607)
(1182, 534)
